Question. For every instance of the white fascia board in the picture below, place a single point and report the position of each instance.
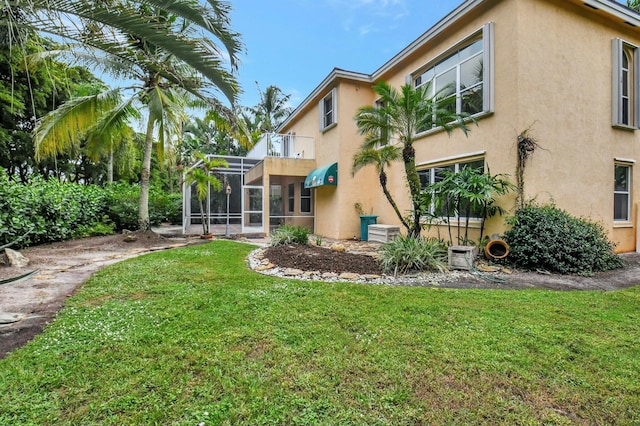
(329, 80)
(432, 32)
(615, 9)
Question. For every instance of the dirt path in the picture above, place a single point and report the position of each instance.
(26, 306)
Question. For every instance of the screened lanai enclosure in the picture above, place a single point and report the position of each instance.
(236, 209)
(259, 193)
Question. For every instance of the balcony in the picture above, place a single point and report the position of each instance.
(283, 146)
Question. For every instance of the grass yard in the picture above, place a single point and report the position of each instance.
(191, 336)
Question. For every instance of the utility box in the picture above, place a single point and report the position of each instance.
(462, 257)
(383, 233)
(365, 221)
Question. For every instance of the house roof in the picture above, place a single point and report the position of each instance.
(611, 8)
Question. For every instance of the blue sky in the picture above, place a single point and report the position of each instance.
(294, 44)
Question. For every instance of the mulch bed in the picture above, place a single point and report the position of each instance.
(314, 258)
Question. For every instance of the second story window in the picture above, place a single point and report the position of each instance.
(328, 111)
(625, 85)
(463, 74)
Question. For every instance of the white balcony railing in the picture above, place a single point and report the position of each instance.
(284, 146)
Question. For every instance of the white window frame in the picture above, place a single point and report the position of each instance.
(631, 119)
(456, 165)
(486, 34)
(332, 113)
(626, 192)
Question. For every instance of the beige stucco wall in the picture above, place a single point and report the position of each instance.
(552, 68)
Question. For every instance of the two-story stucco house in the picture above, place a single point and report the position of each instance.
(568, 70)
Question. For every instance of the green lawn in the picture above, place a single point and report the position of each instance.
(190, 336)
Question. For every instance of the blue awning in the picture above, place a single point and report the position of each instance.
(326, 175)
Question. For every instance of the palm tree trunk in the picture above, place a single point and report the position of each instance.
(110, 166)
(413, 179)
(143, 206)
(383, 183)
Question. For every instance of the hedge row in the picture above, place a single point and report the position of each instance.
(46, 211)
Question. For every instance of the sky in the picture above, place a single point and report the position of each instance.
(294, 44)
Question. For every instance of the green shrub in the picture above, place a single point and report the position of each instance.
(404, 254)
(95, 229)
(46, 210)
(123, 206)
(287, 234)
(548, 238)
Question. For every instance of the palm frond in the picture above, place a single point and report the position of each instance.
(62, 129)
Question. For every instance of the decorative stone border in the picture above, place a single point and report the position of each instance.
(257, 262)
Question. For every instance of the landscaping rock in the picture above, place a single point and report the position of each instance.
(338, 247)
(15, 258)
(129, 238)
(349, 276)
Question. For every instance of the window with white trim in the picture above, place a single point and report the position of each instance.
(626, 85)
(328, 116)
(463, 72)
(622, 193)
(305, 199)
(435, 174)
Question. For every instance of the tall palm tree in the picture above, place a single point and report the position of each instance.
(118, 28)
(404, 114)
(272, 109)
(380, 159)
(164, 79)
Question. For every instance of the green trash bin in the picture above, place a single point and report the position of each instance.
(365, 221)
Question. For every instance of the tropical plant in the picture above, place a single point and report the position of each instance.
(165, 77)
(288, 234)
(634, 4)
(403, 115)
(471, 192)
(405, 253)
(272, 109)
(201, 175)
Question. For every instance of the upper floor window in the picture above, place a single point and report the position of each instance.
(621, 193)
(328, 111)
(464, 72)
(626, 85)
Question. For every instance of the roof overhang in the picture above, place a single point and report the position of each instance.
(610, 7)
(325, 175)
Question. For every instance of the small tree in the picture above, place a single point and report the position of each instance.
(469, 192)
(403, 115)
(205, 181)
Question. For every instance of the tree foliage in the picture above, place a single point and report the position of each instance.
(401, 115)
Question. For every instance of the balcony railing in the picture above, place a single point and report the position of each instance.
(284, 146)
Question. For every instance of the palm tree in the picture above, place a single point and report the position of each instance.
(272, 108)
(165, 79)
(201, 175)
(380, 159)
(184, 29)
(404, 114)
(469, 192)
